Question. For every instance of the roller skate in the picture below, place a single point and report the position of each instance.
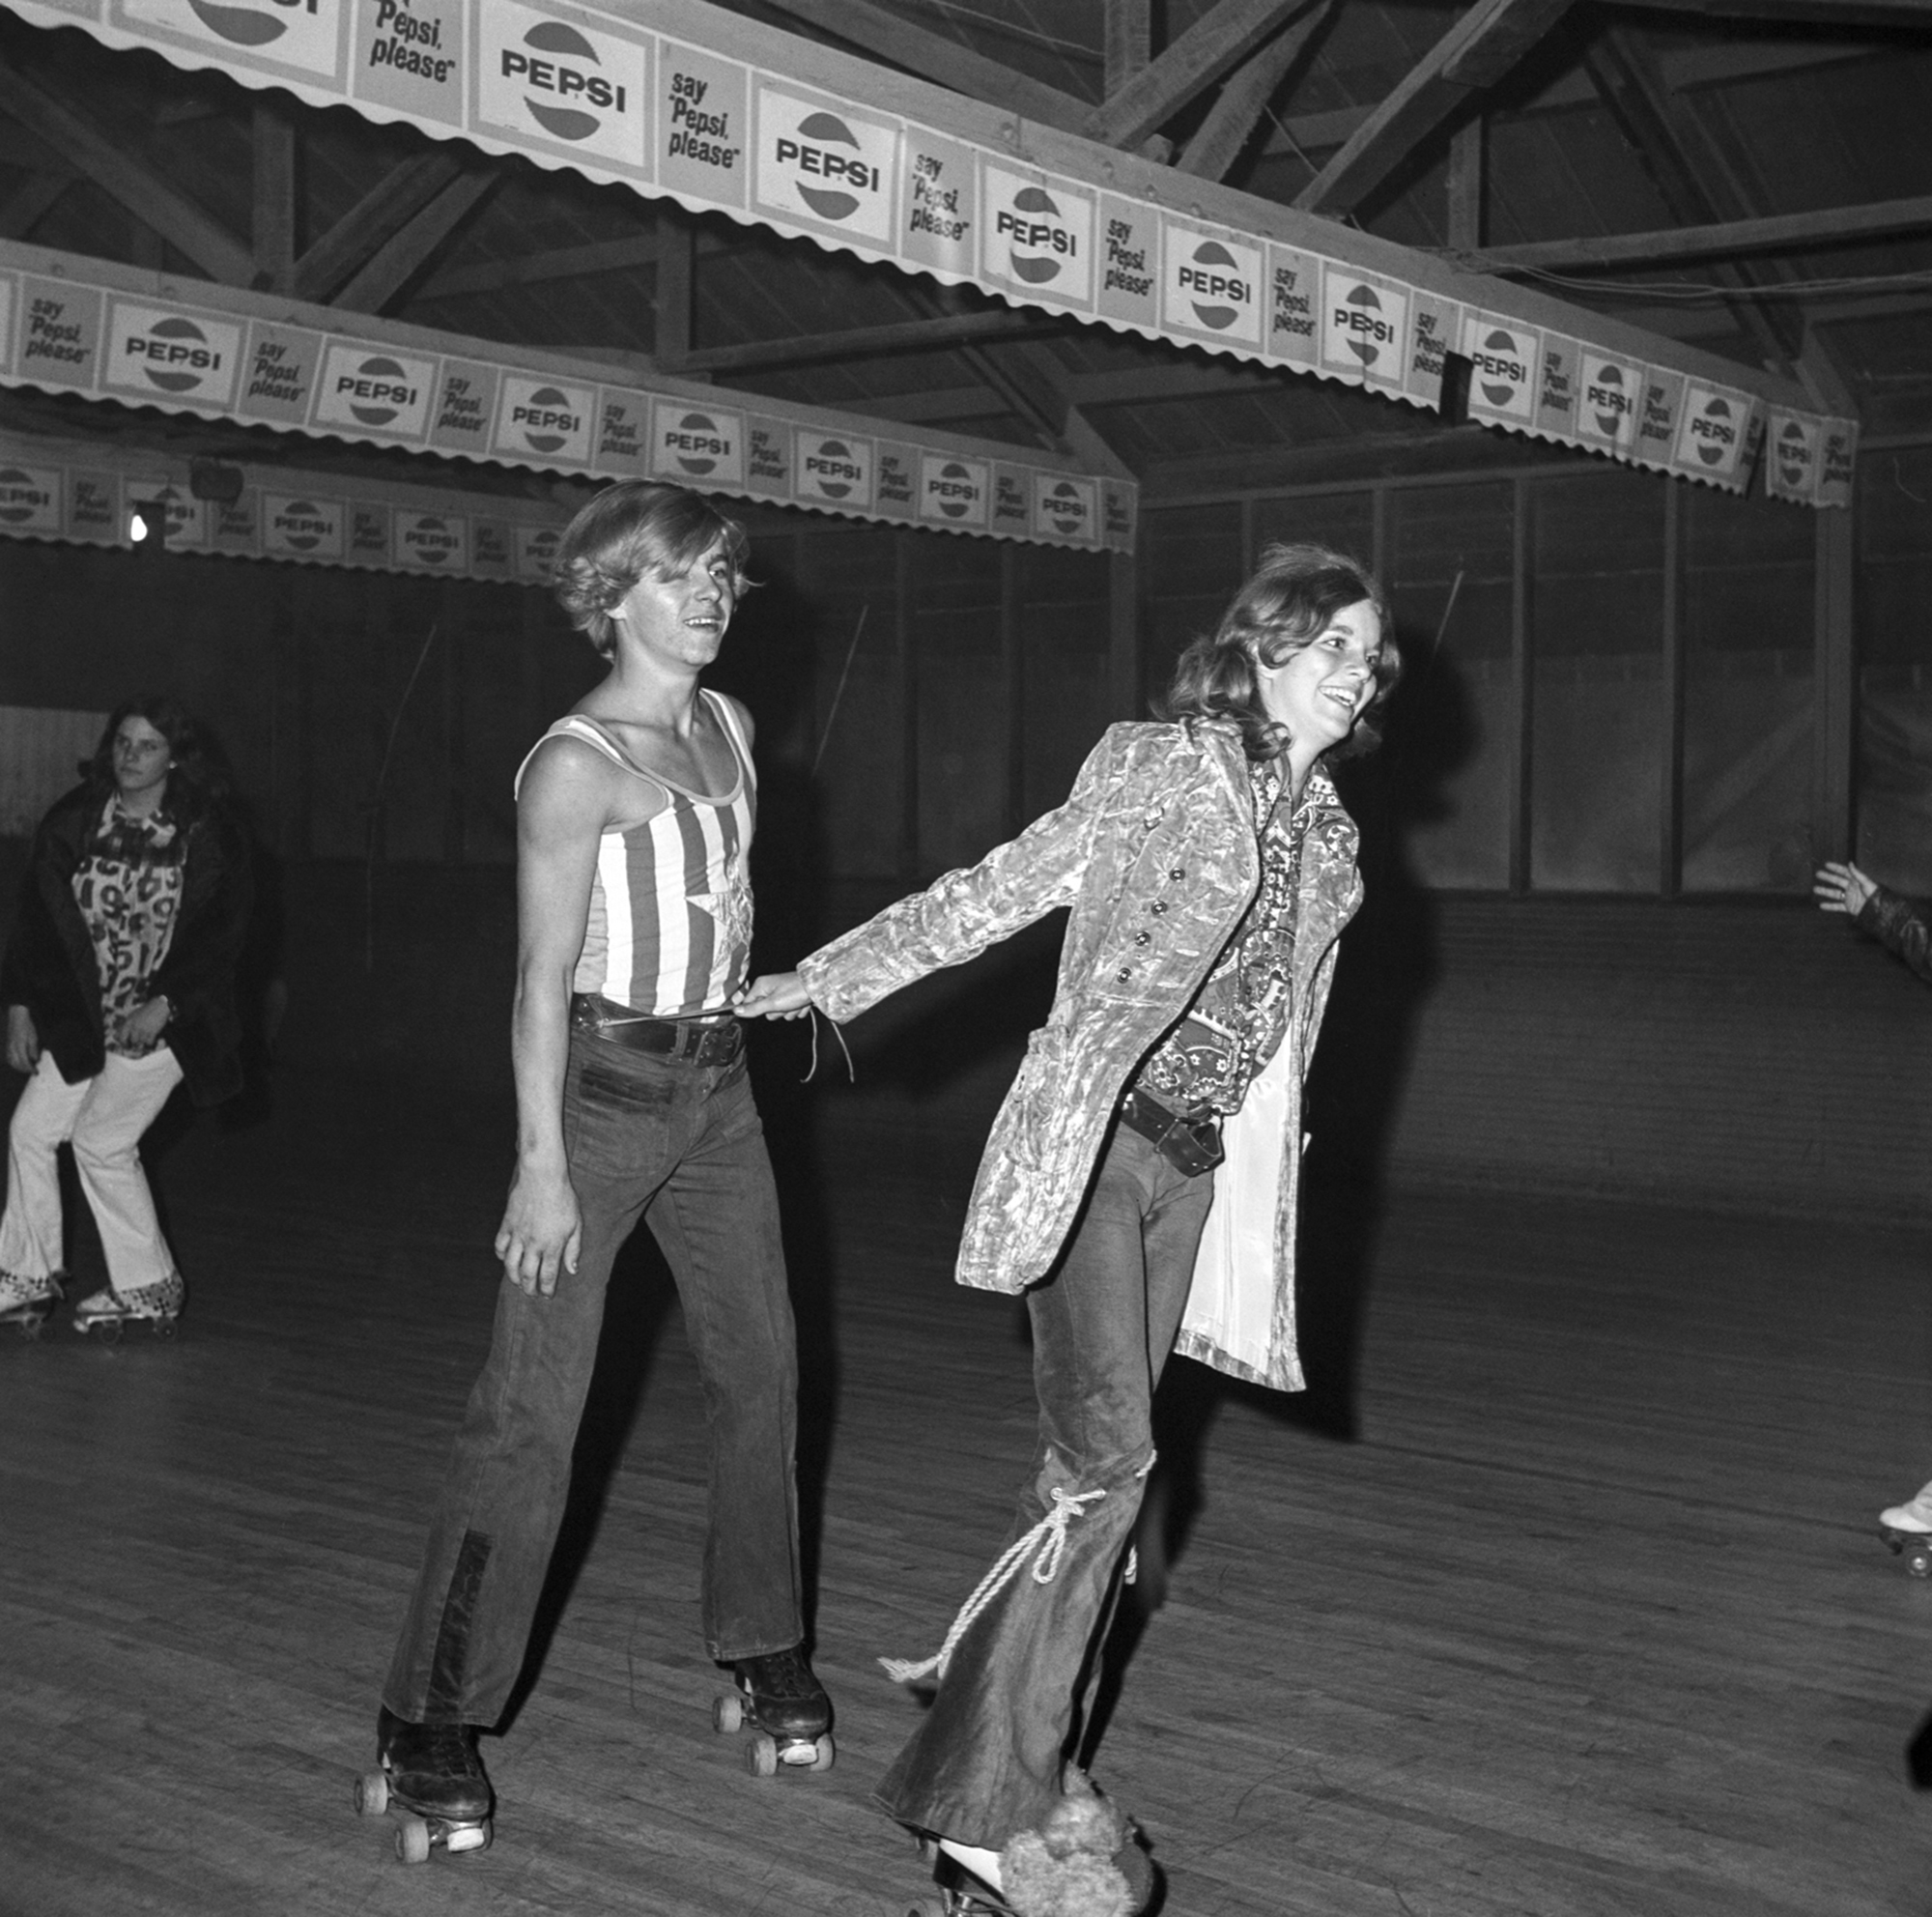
(156, 1305)
(26, 1304)
(432, 1780)
(1086, 1860)
(785, 1708)
(1907, 1528)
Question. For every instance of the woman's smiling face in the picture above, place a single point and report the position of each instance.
(1320, 689)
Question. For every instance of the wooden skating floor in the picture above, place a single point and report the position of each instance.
(1588, 1615)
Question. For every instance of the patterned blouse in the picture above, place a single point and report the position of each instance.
(1240, 1011)
(129, 888)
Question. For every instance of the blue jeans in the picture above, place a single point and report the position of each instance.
(682, 1146)
(986, 1759)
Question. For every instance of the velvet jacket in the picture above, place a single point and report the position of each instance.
(50, 965)
(1901, 928)
(1156, 852)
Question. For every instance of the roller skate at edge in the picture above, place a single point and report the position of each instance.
(783, 1706)
(27, 1304)
(1908, 1528)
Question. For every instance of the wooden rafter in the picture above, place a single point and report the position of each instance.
(1695, 180)
(1243, 99)
(126, 178)
(1213, 46)
(34, 196)
(274, 227)
(945, 334)
(1778, 233)
(1825, 13)
(393, 264)
(1472, 56)
(1127, 35)
(883, 35)
(374, 220)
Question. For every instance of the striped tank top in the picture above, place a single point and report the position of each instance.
(670, 927)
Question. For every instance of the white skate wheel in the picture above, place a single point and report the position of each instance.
(413, 1840)
(727, 1712)
(823, 1753)
(468, 1837)
(761, 1756)
(372, 1793)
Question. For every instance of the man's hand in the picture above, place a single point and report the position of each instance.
(775, 995)
(23, 1042)
(1841, 888)
(140, 1032)
(541, 1231)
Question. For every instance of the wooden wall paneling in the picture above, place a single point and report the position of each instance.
(906, 645)
(1064, 643)
(1017, 687)
(1832, 822)
(1125, 591)
(1670, 796)
(963, 700)
(1522, 738)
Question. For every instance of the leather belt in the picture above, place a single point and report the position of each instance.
(716, 1039)
(1190, 1145)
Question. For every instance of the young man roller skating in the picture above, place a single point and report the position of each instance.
(633, 820)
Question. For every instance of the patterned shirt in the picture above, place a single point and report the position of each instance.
(128, 887)
(1238, 1015)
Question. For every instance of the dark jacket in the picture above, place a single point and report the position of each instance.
(1901, 928)
(49, 964)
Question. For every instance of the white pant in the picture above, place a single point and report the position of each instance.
(104, 1118)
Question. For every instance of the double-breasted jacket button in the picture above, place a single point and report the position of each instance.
(1176, 874)
(1124, 975)
(1142, 937)
(1158, 906)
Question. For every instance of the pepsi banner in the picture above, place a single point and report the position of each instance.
(674, 99)
(70, 325)
(91, 493)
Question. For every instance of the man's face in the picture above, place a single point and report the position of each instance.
(681, 616)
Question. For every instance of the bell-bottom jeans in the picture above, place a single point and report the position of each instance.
(103, 1118)
(987, 1757)
(681, 1146)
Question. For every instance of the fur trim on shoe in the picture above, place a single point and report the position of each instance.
(1081, 1862)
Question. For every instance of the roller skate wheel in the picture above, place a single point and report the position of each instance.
(1918, 1562)
(928, 1907)
(823, 1753)
(761, 1756)
(372, 1793)
(468, 1837)
(413, 1840)
(728, 1713)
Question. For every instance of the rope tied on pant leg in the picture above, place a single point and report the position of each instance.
(1049, 1534)
(1132, 1574)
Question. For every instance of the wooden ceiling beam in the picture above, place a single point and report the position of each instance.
(1777, 233)
(1244, 96)
(1484, 45)
(880, 35)
(400, 258)
(765, 355)
(126, 179)
(1822, 12)
(272, 226)
(1213, 46)
(34, 196)
(374, 220)
(1127, 42)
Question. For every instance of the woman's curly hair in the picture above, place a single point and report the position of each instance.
(1285, 606)
(629, 529)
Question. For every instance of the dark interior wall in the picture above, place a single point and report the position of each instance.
(919, 698)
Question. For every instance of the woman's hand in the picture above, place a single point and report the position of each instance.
(1841, 888)
(542, 1230)
(24, 1040)
(140, 1032)
(775, 995)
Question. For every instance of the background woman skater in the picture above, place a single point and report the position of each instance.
(1209, 868)
(118, 983)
